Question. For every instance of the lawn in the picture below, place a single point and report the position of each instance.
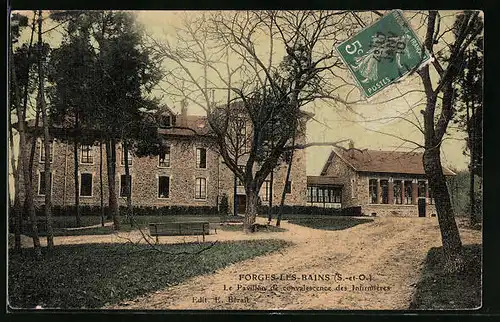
(438, 290)
(328, 222)
(94, 275)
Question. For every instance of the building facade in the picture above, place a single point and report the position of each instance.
(382, 183)
(187, 172)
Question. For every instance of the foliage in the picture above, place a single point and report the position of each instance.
(459, 186)
(115, 73)
(94, 275)
(224, 205)
(469, 97)
(438, 290)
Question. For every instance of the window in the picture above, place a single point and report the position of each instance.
(309, 194)
(384, 187)
(314, 194)
(201, 188)
(241, 134)
(123, 157)
(201, 158)
(42, 151)
(239, 183)
(164, 157)
(398, 194)
(87, 155)
(41, 182)
(165, 121)
(431, 198)
(337, 193)
(163, 187)
(320, 195)
(123, 185)
(266, 187)
(373, 190)
(353, 188)
(288, 187)
(86, 185)
(422, 189)
(408, 192)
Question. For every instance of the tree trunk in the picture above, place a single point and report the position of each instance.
(283, 193)
(450, 236)
(100, 184)
(270, 215)
(128, 185)
(46, 139)
(113, 200)
(470, 128)
(23, 155)
(16, 207)
(251, 209)
(76, 168)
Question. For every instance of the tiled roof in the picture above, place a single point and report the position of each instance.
(323, 180)
(384, 161)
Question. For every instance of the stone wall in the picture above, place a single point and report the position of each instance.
(345, 176)
(145, 173)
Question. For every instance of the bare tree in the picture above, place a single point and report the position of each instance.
(23, 153)
(217, 59)
(46, 137)
(441, 94)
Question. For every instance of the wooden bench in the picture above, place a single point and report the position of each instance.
(179, 229)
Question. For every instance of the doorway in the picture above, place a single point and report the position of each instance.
(242, 203)
(421, 207)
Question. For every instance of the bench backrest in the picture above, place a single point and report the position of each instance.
(210, 219)
(179, 228)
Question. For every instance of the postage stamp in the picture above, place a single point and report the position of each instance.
(383, 53)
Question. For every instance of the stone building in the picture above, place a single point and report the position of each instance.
(188, 172)
(382, 183)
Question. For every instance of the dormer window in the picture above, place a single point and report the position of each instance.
(165, 121)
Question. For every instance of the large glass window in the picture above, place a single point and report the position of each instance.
(42, 151)
(41, 182)
(201, 158)
(124, 192)
(164, 157)
(123, 157)
(408, 193)
(422, 189)
(373, 190)
(86, 185)
(163, 187)
(201, 188)
(384, 186)
(266, 186)
(398, 193)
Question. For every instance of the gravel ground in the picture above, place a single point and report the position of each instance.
(392, 250)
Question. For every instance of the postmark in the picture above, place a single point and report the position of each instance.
(383, 53)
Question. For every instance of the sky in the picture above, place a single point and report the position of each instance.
(332, 123)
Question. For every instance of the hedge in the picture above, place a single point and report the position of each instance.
(312, 210)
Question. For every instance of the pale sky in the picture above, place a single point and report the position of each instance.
(334, 124)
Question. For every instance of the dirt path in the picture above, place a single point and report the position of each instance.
(392, 250)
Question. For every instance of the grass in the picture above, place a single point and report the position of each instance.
(266, 229)
(329, 223)
(94, 275)
(438, 290)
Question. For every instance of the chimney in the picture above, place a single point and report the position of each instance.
(183, 113)
(351, 148)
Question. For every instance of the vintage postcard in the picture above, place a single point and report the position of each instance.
(245, 160)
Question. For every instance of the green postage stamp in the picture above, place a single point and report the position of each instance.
(383, 53)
